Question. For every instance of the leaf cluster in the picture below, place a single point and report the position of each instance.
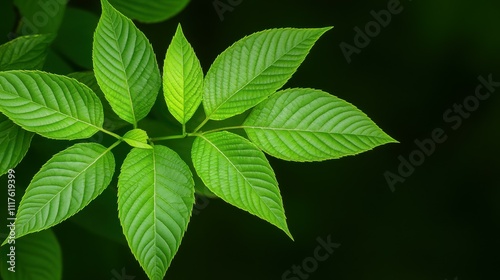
(157, 181)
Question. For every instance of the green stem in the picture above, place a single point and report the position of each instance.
(201, 125)
(170, 137)
(110, 133)
(219, 129)
(114, 145)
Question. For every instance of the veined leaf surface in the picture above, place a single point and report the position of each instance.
(14, 144)
(25, 52)
(235, 170)
(155, 200)
(182, 78)
(311, 125)
(67, 183)
(253, 68)
(51, 105)
(125, 65)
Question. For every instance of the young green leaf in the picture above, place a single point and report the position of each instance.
(238, 172)
(67, 183)
(37, 256)
(311, 125)
(253, 68)
(182, 78)
(149, 11)
(14, 144)
(125, 65)
(155, 200)
(51, 105)
(25, 52)
(137, 138)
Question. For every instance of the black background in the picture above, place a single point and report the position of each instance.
(442, 222)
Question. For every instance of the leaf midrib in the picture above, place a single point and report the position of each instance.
(51, 110)
(120, 52)
(256, 76)
(267, 128)
(244, 177)
(64, 188)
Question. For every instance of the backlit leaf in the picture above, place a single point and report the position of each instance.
(235, 170)
(51, 105)
(155, 200)
(253, 68)
(14, 144)
(311, 125)
(125, 65)
(182, 78)
(67, 183)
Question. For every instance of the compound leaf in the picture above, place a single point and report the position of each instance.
(25, 52)
(311, 125)
(125, 65)
(67, 183)
(149, 11)
(253, 68)
(155, 200)
(235, 170)
(14, 144)
(37, 256)
(51, 105)
(182, 78)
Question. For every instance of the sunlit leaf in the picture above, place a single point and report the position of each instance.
(14, 144)
(235, 170)
(253, 68)
(67, 183)
(125, 65)
(155, 200)
(51, 105)
(311, 125)
(182, 78)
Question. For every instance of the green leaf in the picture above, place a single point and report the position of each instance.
(238, 172)
(125, 65)
(155, 200)
(37, 256)
(39, 17)
(111, 120)
(253, 68)
(51, 105)
(182, 78)
(14, 144)
(150, 11)
(137, 138)
(67, 183)
(311, 125)
(26, 52)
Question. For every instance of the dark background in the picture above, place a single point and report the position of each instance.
(442, 222)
